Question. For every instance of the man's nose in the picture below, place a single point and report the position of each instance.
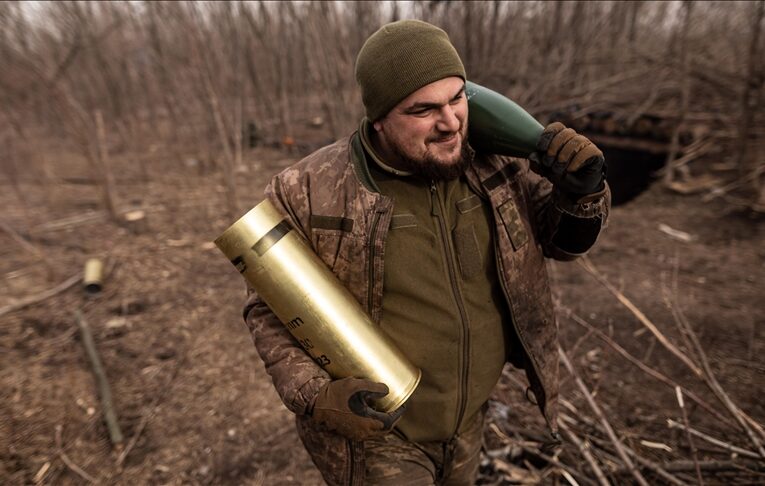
(447, 120)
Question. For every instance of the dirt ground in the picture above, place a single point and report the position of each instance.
(185, 376)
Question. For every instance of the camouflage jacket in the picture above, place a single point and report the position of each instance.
(332, 200)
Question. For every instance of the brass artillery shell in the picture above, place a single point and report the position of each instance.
(316, 308)
(92, 279)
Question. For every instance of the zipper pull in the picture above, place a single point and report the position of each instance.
(435, 209)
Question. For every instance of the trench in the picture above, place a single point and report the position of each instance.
(630, 171)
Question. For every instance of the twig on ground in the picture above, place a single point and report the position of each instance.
(65, 459)
(569, 477)
(15, 236)
(603, 421)
(536, 452)
(721, 191)
(71, 221)
(711, 466)
(584, 449)
(694, 452)
(708, 438)
(152, 410)
(746, 422)
(110, 417)
(585, 263)
(647, 369)
(34, 299)
(646, 463)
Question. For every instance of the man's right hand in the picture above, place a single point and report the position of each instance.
(345, 406)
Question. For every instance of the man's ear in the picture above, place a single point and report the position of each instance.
(378, 126)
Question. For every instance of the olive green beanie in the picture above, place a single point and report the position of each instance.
(400, 58)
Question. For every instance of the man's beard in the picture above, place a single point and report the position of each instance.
(433, 168)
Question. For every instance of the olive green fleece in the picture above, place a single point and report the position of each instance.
(400, 58)
(442, 301)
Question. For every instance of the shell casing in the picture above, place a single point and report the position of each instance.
(93, 275)
(322, 315)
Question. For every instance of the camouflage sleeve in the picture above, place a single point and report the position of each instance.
(566, 228)
(296, 377)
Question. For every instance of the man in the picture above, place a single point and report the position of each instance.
(445, 248)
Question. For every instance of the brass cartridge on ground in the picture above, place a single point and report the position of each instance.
(93, 275)
(310, 301)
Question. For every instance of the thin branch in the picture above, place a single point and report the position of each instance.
(534, 451)
(65, 459)
(584, 449)
(110, 417)
(592, 270)
(746, 422)
(152, 410)
(647, 369)
(708, 438)
(694, 452)
(603, 421)
(15, 236)
(34, 299)
(646, 463)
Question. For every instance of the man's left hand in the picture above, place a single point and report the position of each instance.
(572, 162)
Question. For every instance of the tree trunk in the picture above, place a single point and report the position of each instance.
(670, 172)
(752, 90)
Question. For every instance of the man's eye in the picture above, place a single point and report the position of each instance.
(420, 112)
(456, 100)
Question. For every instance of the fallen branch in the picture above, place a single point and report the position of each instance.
(584, 449)
(708, 438)
(68, 462)
(647, 369)
(646, 463)
(22, 242)
(34, 299)
(71, 221)
(694, 452)
(746, 422)
(721, 191)
(711, 466)
(105, 393)
(585, 263)
(535, 452)
(152, 410)
(603, 421)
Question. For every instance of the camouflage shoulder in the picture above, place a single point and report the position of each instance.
(328, 161)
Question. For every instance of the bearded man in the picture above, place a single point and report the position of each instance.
(445, 249)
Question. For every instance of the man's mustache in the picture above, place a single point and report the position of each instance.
(442, 136)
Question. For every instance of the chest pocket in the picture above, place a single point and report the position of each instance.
(511, 220)
(342, 251)
(465, 237)
(399, 221)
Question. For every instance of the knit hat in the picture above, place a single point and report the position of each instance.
(400, 58)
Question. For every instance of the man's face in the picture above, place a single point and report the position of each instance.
(427, 131)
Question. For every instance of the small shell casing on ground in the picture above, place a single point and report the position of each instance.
(93, 276)
(322, 315)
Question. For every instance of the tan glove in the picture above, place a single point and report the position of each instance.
(571, 161)
(344, 406)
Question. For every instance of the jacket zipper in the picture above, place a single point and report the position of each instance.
(438, 211)
(373, 244)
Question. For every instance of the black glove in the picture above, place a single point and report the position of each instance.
(570, 161)
(345, 406)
